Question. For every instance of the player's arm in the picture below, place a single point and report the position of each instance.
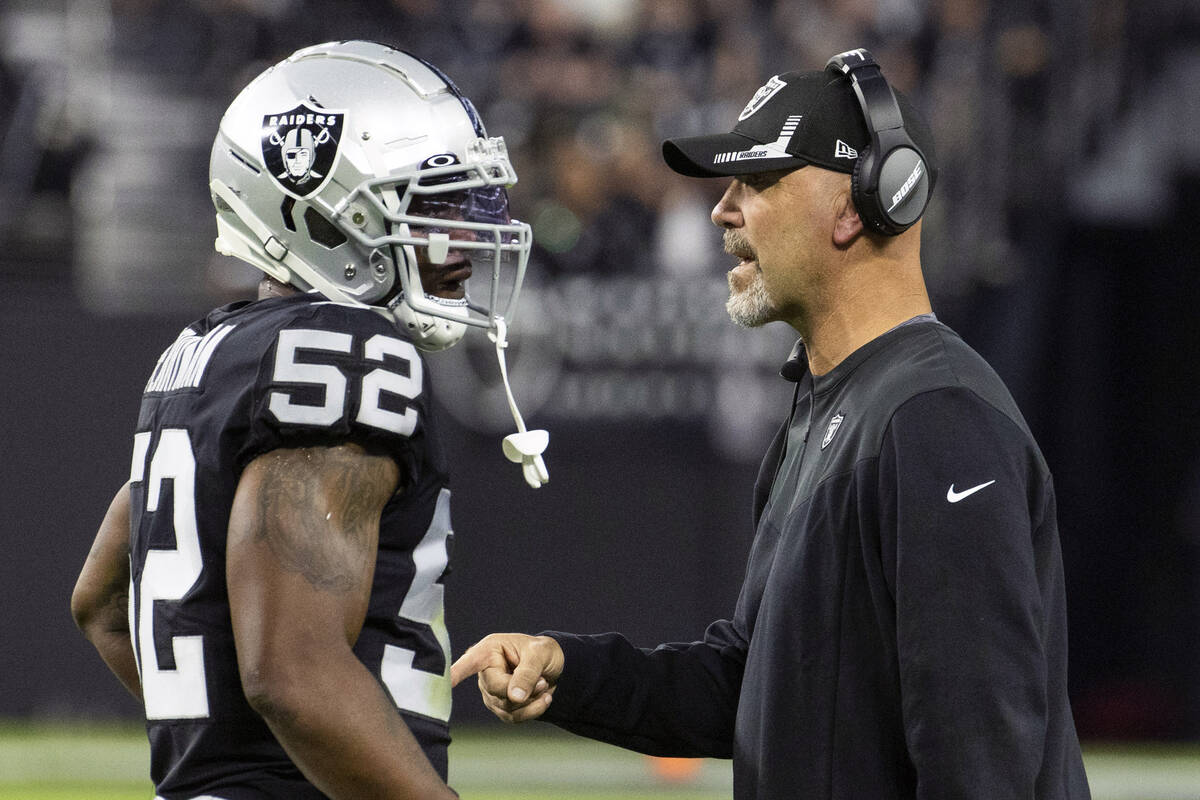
(100, 601)
(302, 542)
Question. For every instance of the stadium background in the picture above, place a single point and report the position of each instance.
(1061, 243)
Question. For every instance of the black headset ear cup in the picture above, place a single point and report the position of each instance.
(890, 159)
(867, 191)
(903, 180)
(864, 203)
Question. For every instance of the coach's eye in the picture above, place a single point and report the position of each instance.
(759, 181)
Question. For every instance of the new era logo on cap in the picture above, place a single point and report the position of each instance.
(843, 150)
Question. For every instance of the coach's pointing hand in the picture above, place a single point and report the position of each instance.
(517, 673)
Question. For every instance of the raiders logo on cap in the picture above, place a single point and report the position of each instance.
(764, 93)
(300, 147)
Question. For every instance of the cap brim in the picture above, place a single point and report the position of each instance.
(723, 155)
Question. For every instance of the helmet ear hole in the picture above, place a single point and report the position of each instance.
(321, 230)
(285, 210)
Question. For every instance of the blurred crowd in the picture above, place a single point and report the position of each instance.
(1027, 99)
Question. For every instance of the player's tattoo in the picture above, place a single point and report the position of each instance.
(115, 590)
(320, 517)
(117, 608)
(114, 612)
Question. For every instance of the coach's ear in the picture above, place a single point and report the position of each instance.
(847, 224)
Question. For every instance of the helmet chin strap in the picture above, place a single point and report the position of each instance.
(525, 447)
(430, 333)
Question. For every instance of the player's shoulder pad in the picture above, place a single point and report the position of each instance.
(341, 368)
(333, 315)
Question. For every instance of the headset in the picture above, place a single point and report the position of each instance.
(890, 184)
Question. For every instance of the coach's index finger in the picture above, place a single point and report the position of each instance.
(478, 657)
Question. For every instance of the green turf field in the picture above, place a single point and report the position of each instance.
(107, 762)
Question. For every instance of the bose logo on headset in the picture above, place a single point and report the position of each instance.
(891, 165)
(907, 187)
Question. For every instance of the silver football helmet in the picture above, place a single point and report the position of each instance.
(355, 169)
(361, 172)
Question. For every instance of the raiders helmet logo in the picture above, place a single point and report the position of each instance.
(300, 148)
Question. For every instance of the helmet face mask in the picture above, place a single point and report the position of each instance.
(361, 172)
(445, 219)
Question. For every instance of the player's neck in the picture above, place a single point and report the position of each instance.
(269, 287)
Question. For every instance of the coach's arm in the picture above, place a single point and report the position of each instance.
(678, 699)
(303, 534)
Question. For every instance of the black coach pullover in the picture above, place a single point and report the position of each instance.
(901, 631)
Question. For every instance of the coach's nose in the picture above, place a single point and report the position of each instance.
(727, 213)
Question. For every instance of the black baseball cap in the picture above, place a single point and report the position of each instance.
(794, 119)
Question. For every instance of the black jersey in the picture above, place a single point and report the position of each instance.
(247, 379)
(901, 630)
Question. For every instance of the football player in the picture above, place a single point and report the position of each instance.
(268, 583)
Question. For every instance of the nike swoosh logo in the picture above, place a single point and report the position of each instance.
(953, 496)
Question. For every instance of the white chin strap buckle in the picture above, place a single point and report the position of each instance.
(524, 447)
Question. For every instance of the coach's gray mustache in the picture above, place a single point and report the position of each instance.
(736, 245)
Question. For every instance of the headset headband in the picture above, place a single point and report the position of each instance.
(878, 102)
(890, 183)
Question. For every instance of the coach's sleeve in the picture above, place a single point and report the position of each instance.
(963, 493)
(675, 700)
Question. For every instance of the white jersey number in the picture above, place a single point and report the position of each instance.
(334, 383)
(412, 689)
(181, 692)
